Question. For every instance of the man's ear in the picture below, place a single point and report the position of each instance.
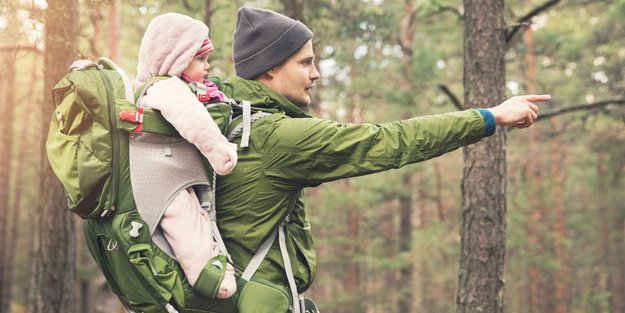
(270, 73)
(267, 76)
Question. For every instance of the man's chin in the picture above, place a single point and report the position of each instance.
(301, 103)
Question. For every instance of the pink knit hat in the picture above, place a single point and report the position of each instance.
(207, 47)
(169, 44)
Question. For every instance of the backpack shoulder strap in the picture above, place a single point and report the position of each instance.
(206, 194)
(110, 65)
(260, 255)
(139, 93)
(245, 125)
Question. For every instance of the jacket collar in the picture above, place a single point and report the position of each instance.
(260, 96)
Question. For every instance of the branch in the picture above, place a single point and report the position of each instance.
(28, 48)
(581, 107)
(524, 20)
(447, 8)
(454, 100)
(186, 5)
(575, 108)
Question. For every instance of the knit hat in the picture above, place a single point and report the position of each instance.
(169, 44)
(264, 39)
(207, 47)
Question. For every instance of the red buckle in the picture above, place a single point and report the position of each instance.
(203, 97)
(133, 117)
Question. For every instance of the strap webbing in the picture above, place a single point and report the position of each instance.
(220, 241)
(170, 308)
(259, 256)
(206, 194)
(287, 268)
(247, 112)
(237, 130)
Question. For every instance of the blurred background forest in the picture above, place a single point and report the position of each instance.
(388, 241)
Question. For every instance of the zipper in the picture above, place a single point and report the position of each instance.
(115, 148)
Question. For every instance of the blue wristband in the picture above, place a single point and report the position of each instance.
(489, 120)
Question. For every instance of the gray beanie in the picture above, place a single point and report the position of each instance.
(264, 39)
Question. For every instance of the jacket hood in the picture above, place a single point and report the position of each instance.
(260, 96)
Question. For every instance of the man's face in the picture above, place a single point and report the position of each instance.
(295, 78)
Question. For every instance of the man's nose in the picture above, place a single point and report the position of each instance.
(314, 75)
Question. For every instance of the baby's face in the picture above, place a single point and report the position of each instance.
(198, 69)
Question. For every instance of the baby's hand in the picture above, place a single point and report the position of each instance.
(229, 285)
(223, 157)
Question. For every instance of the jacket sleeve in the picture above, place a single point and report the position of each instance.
(180, 108)
(309, 151)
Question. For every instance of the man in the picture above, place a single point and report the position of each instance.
(289, 150)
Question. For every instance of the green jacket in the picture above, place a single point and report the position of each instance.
(290, 150)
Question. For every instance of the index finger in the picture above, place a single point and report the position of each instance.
(537, 98)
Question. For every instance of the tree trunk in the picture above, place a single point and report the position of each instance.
(388, 231)
(294, 9)
(208, 12)
(54, 252)
(6, 131)
(620, 295)
(114, 20)
(604, 216)
(560, 281)
(438, 176)
(95, 16)
(405, 300)
(352, 268)
(483, 226)
(13, 239)
(531, 170)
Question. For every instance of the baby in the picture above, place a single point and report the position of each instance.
(178, 46)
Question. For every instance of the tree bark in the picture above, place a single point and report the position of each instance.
(533, 184)
(6, 131)
(13, 239)
(55, 248)
(558, 157)
(405, 299)
(114, 20)
(440, 206)
(605, 217)
(352, 268)
(95, 16)
(208, 12)
(294, 9)
(483, 226)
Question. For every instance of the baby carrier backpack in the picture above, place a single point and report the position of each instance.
(97, 144)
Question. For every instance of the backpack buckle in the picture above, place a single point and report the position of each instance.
(203, 97)
(134, 116)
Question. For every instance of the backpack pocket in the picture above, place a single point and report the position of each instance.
(261, 296)
(155, 273)
(119, 273)
(85, 176)
(79, 120)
